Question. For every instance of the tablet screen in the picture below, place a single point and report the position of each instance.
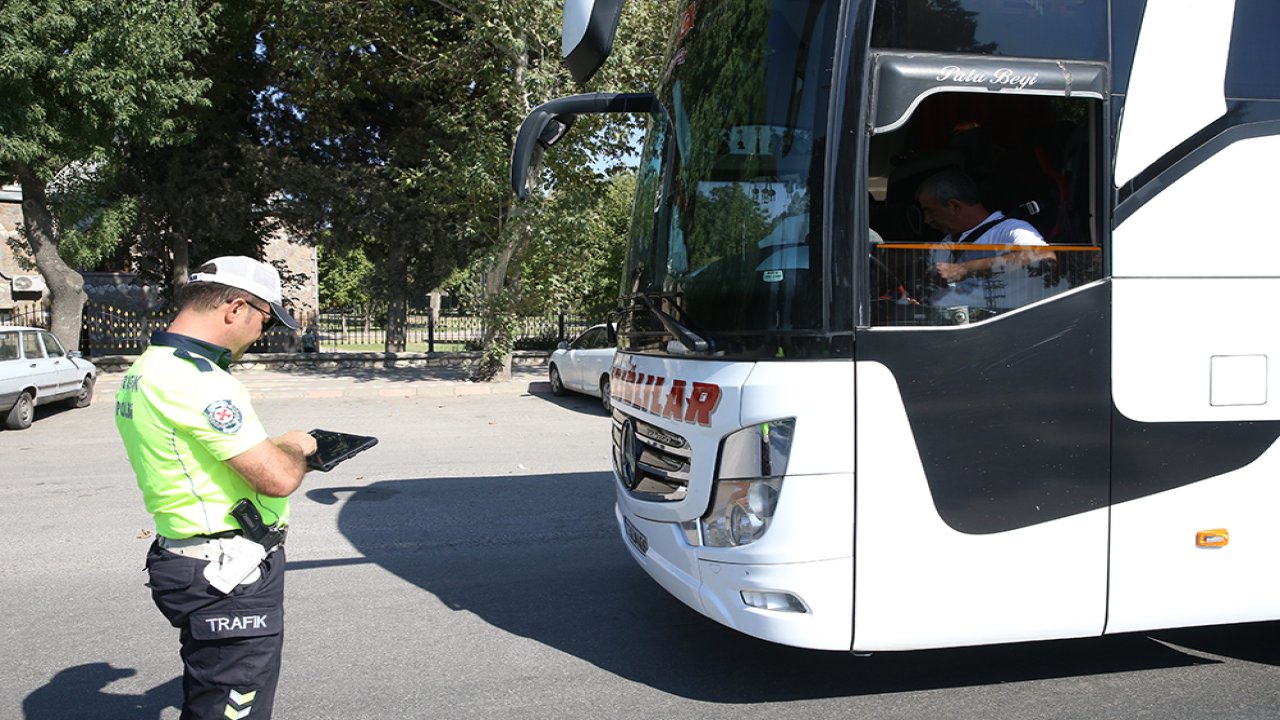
(334, 447)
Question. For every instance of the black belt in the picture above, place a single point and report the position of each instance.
(219, 535)
(233, 533)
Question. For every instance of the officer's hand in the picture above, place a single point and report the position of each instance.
(300, 440)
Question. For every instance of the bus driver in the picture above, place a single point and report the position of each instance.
(952, 204)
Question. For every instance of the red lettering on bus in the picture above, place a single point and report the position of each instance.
(674, 408)
(702, 402)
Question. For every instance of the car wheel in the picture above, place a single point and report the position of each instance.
(85, 396)
(606, 401)
(22, 413)
(557, 385)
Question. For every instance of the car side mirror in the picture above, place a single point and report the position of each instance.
(562, 345)
(74, 354)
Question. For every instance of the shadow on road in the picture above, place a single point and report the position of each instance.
(77, 693)
(46, 412)
(539, 557)
(577, 402)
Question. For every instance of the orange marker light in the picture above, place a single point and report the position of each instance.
(1212, 538)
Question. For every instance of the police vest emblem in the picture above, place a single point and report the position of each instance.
(224, 417)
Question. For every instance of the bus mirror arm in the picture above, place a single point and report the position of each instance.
(548, 123)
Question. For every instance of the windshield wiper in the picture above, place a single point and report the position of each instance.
(687, 337)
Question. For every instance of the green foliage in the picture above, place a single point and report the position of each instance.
(345, 276)
(379, 129)
(731, 224)
(372, 136)
(396, 122)
(80, 79)
(210, 195)
(574, 256)
(495, 356)
(103, 221)
(78, 75)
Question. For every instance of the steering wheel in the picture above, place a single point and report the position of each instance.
(894, 281)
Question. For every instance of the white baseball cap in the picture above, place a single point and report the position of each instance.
(251, 276)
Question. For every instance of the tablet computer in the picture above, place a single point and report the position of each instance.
(334, 447)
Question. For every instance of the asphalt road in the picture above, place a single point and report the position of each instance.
(468, 567)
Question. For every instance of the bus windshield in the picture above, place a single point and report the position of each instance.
(726, 234)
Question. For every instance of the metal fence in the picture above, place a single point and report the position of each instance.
(108, 330)
(447, 333)
(31, 316)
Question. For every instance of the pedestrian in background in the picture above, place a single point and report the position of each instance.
(200, 453)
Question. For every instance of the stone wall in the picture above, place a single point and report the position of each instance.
(10, 263)
(299, 273)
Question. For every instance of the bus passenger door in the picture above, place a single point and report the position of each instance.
(981, 479)
(983, 405)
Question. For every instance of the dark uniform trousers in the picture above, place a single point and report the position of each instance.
(230, 643)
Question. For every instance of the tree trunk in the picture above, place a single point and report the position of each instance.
(496, 345)
(396, 314)
(66, 286)
(180, 255)
(397, 304)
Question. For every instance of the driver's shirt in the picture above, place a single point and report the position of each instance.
(974, 290)
(1009, 231)
(181, 415)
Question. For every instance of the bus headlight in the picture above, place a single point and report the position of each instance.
(749, 480)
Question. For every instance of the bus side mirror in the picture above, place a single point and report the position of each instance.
(539, 131)
(586, 33)
(548, 123)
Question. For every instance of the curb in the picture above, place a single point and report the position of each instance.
(378, 390)
(416, 390)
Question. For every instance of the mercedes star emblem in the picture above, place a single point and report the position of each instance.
(630, 459)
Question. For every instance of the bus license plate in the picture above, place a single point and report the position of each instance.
(636, 537)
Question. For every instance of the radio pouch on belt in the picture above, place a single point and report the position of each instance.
(250, 520)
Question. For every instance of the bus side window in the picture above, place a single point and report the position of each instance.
(1032, 160)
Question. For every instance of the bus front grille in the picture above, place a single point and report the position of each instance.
(652, 463)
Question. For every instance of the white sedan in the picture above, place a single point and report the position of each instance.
(36, 370)
(583, 365)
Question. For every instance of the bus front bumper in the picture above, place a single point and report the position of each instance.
(824, 588)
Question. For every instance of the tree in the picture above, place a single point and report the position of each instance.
(80, 78)
(518, 44)
(370, 136)
(398, 120)
(345, 277)
(575, 253)
(212, 194)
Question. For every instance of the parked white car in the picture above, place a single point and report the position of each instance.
(36, 370)
(583, 365)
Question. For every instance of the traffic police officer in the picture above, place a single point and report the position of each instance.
(198, 449)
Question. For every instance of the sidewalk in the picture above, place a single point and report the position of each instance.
(435, 381)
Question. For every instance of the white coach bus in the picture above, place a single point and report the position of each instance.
(820, 443)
